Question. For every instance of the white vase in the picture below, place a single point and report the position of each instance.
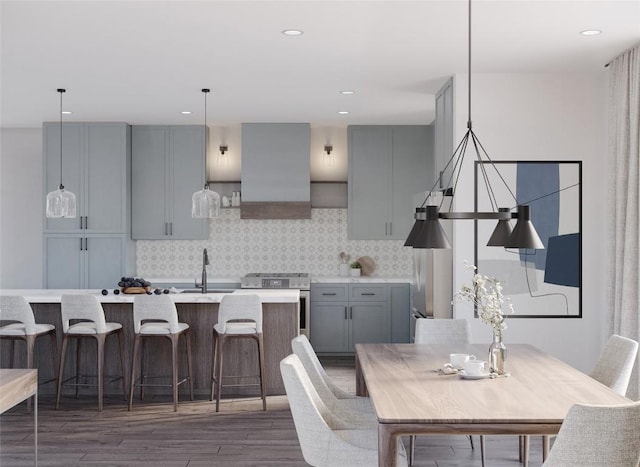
(355, 272)
(344, 270)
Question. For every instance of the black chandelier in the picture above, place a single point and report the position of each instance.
(427, 232)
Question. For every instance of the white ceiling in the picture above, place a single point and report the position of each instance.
(145, 61)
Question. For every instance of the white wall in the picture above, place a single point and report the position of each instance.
(542, 117)
(21, 208)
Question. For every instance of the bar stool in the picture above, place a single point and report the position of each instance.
(16, 308)
(239, 317)
(160, 320)
(88, 310)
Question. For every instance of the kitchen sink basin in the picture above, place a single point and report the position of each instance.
(208, 291)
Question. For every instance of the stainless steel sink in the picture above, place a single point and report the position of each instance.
(208, 291)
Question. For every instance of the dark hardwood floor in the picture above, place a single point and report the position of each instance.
(239, 435)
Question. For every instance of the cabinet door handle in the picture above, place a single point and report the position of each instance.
(386, 225)
(86, 222)
(390, 228)
(351, 312)
(80, 243)
(170, 228)
(345, 313)
(86, 244)
(166, 228)
(327, 293)
(367, 293)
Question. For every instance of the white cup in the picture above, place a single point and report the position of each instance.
(458, 360)
(474, 367)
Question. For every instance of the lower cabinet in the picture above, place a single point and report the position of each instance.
(87, 261)
(343, 315)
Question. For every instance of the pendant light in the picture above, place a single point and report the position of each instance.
(427, 231)
(205, 203)
(61, 203)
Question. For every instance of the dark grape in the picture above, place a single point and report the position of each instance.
(165, 291)
(116, 292)
(123, 279)
(157, 291)
(148, 292)
(105, 292)
(121, 284)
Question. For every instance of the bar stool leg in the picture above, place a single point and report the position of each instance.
(136, 348)
(221, 340)
(482, 450)
(214, 359)
(189, 362)
(143, 365)
(545, 447)
(263, 389)
(30, 341)
(12, 353)
(78, 342)
(63, 353)
(122, 365)
(54, 350)
(100, 339)
(412, 448)
(174, 369)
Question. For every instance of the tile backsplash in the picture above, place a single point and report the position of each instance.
(237, 247)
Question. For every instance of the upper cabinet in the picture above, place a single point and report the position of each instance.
(387, 166)
(96, 157)
(167, 168)
(444, 134)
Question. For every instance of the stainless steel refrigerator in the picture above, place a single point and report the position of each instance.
(432, 285)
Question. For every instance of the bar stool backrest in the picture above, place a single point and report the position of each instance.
(16, 308)
(442, 331)
(83, 307)
(155, 307)
(240, 307)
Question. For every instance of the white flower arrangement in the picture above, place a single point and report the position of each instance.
(486, 294)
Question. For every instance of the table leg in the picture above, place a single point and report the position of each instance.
(525, 451)
(35, 427)
(387, 446)
(361, 386)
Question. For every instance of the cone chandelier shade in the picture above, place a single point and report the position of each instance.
(61, 202)
(205, 203)
(427, 231)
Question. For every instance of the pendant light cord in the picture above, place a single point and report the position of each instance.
(206, 183)
(469, 67)
(61, 91)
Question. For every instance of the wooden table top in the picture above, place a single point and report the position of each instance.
(15, 386)
(405, 389)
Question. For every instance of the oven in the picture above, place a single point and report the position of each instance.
(300, 281)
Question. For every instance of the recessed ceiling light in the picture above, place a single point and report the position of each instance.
(343, 112)
(186, 112)
(292, 32)
(591, 32)
(66, 112)
(347, 93)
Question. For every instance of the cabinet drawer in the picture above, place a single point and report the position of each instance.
(367, 293)
(329, 293)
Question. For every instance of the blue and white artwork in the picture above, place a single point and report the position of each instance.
(540, 283)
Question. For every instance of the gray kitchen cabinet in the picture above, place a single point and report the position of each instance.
(96, 159)
(443, 129)
(387, 166)
(337, 324)
(75, 261)
(167, 168)
(399, 296)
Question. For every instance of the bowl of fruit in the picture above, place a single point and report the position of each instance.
(131, 285)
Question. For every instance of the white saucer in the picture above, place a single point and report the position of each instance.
(463, 375)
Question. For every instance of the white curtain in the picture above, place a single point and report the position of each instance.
(624, 157)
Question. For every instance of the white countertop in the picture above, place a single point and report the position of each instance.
(360, 279)
(55, 295)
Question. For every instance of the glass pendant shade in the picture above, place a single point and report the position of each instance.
(432, 234)
(61, 203)
(502, 231)
(524, 234)
(205, 204)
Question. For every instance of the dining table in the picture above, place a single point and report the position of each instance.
(412, 396)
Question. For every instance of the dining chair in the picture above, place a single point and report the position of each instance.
(613, 369)
(443, 331)
(354, 409)
(598, 436)
(239, 317)
(325, 438)
(156, 316)
(16, 308)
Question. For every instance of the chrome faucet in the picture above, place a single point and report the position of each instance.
(205, 263)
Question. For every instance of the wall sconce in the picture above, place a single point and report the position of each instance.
(223, 148)
(328, 148)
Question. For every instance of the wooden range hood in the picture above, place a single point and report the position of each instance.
(276, 181)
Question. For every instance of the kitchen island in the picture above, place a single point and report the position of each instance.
(200, 311)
